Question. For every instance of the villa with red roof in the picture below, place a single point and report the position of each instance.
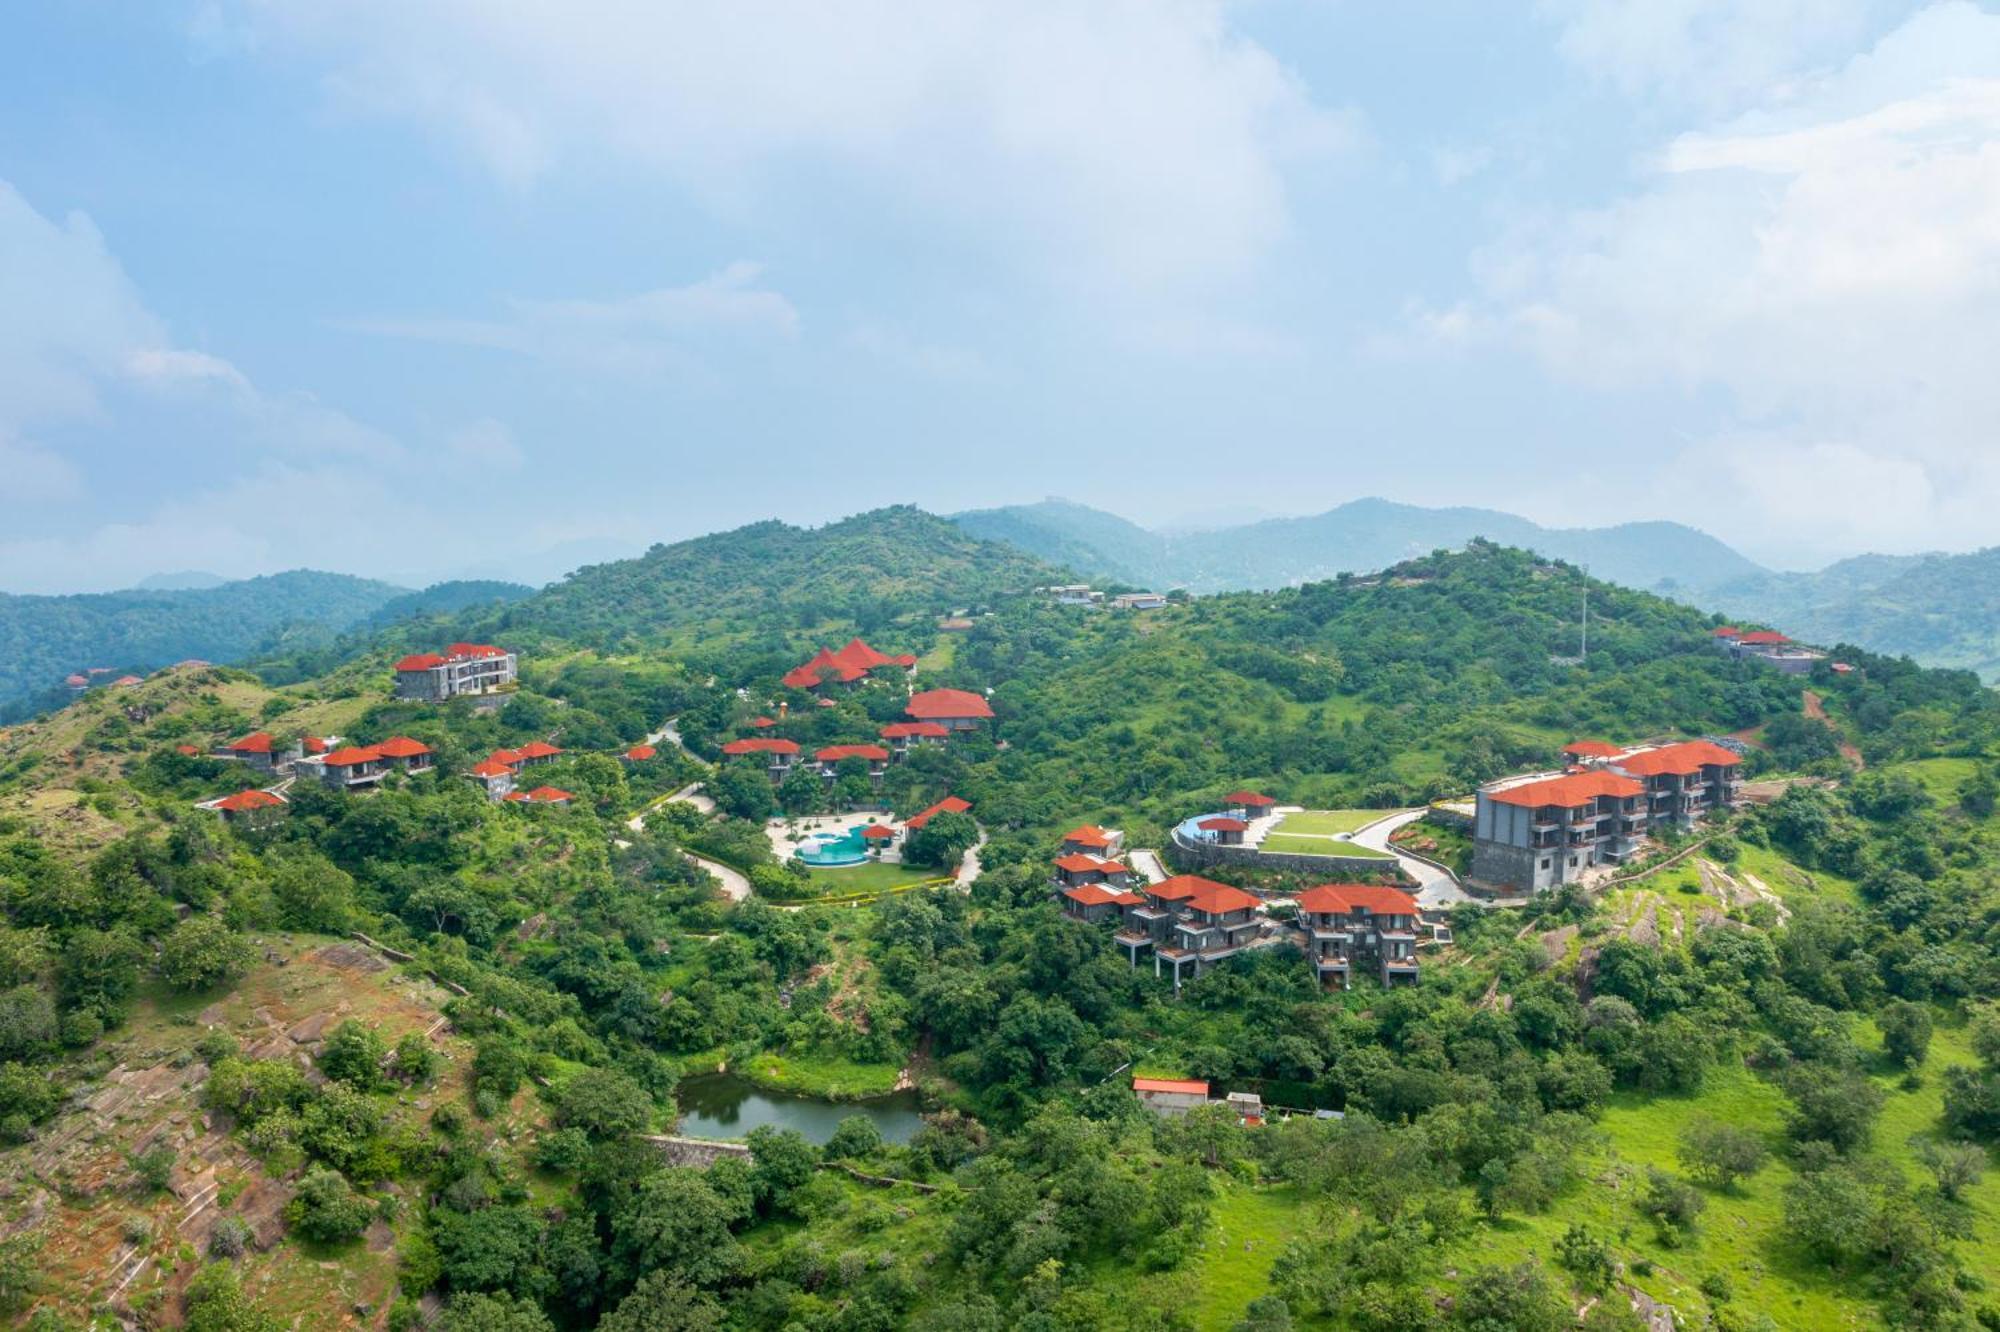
(777, 755)
(907, 735)
(1190, 923)
(1224, 829)
(848, 665)
(1768, 647)
(1342, 923)
(639, 754)
(1074, 869)
(1092, 840)
(1249, 804)
(951, 804)
(461, 669)
(953, 709)
(249, 809)
(831, 757)
(1093, 902)
(542, 795)
(259, 749)
(1536, 832)
(1170, 1097)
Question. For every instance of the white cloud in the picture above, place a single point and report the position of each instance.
(32, 474)
(1830, 266)
(485, 443)
(1136, 145)
(1713, 54)
(645, 334)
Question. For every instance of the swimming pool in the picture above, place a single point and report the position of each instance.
(1191, 830)
(833, 850)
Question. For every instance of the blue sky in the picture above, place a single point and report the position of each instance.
(421, 291)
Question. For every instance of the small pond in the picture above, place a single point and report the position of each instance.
(721, 1105)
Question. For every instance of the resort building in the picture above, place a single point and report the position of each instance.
(1093, 902)
(1249, 804)
(1190, 923)
(461, 669)
(1092, 840)
(1769, 647)
(249, 809)
(777, 755)
(907, 735)
(951, 804)
(1345, 924)
(1138, 601)
(1544, 829)
(1224, 829)
(1076, 869)
(542, 795)
(346, 769)
(849, 665)
(639, 754)
(953, 709)
(410, 755)
(1073, 594)
(830, 758)
(1170, 1097)
(495, 776)
(258, 749)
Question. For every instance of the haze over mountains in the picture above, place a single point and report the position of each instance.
(1943, 610)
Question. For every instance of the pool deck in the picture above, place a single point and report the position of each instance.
(781, 832)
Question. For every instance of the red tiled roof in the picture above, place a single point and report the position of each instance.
(1187, 1087)
(760, 745)
(351, 757)
(1764, 638)
(75, 681)
(858, 654)
(1689, 756)
(911, 729)
(257, 742)
(1725, 631)
(1202, 894)
(515, 795)
(1592, 749)
(1340, 898)
(932, 704)
(248, 800)
(468, 651)
(1088, 835)
(491, 768)
(879, 832)
(1841, 668)
(1222, 823)
(189, 750)
(1092, 894)
(538, 749)
(640, 753)
(510, 757)
(1078, 863)
(312, 744)
(762, 723)
(835, 753)
(1247, 798)
(126, 681)
(549, 795)
(1568, 792)
(951, 804)
(420, 661)
(401, 746)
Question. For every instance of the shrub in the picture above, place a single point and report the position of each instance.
(327, 1208)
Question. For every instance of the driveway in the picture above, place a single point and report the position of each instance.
(734, 886)
(1435, 887)
(1149, 865)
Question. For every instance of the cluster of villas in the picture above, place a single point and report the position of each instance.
(344, 767)
(1773, 649)
(461, 670)
(1083, 594)
(1189, 924)
(1544, 829)
(849, 665)
(934, 716)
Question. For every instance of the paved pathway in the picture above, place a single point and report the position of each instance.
(1435, 887)
(969, 868)
(1151, 868)
(734, 885)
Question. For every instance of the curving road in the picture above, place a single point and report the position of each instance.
(734, 885)
(1435, 887)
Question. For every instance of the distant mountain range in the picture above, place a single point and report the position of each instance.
(44, 639)
(1943, 610)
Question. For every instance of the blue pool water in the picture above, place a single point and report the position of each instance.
(1190, 829)
(833, 850)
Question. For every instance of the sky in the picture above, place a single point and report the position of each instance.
(463, 288)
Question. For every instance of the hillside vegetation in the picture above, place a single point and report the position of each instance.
(403, 1050)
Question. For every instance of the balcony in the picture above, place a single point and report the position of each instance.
(1132, 938)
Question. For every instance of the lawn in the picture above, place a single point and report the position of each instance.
(1313, 845)
(1248, 1228)
(874, 877)
(1325, 822)
(1941, 777)
(810, 1074)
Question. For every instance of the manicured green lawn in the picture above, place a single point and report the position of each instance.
(874, 877)
(819, 1075)
(1326, 821)
(1320, 846)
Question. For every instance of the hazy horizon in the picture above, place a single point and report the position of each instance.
(462, 289)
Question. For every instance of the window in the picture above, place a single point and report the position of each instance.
(1572, 861)
(1545, 862)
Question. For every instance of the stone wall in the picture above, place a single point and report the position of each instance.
(698, 1152)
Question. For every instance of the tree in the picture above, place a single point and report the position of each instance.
(1511, 1299)
(742, 791)
(310, 892)
(802, 791)
(326, 1208)
(1673, 1205)
(1831, 1213)
(490, 1249)
(660, 1303)
(353, 1054)
(1719, 1154)
(1833, 1105)
(782, 1164)
(1956, 1166)
(215, 1302)
(98, 969)
(604, 1103)
(493, 1313)
(202, 951)
(672, 1221)
(942, 841)
(1267, 1313)
(416, 1062)
(855, 1136)
(1972, 1102)
(1906, 1032)
(1587, 1258)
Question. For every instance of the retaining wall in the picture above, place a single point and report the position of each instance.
(1200, 855)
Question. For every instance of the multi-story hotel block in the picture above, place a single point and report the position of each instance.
(1189, 923)
(1545, 829)
(1345, 924)
(462, 668)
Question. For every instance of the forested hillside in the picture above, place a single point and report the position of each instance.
(388, 1055)
(43, 639)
